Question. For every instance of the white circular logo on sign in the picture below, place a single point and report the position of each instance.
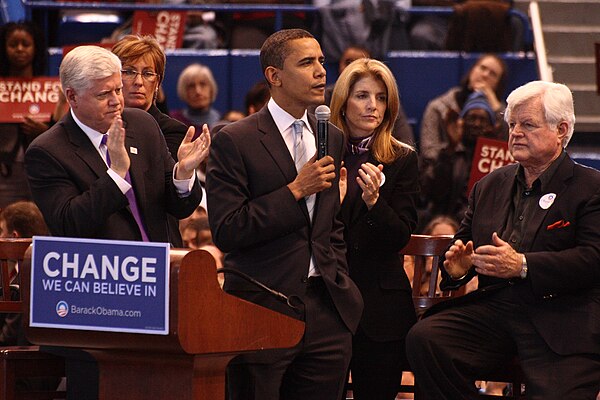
(34, 109)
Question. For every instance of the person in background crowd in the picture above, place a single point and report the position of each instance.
(445, 183)
(351, 53)
(257, 97)
(441, 225)
(196, 233)
(23, 54)
(197, 87)
(231, 116)
(272, 209)
(21, 219)
(532, 235)
(488, 76)
(379, 214)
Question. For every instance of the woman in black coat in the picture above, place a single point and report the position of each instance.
(143, 62)
(379, 213)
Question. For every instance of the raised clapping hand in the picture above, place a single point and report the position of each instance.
(498, 259)
(313, 177)
(369, 179)
(192, 153)
(115, 144)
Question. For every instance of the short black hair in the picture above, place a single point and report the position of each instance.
(276, 48)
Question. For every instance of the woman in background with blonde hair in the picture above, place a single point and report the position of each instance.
(378, 210)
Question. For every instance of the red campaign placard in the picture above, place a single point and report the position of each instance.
(166, 26)
(490, 154)
(35, 97)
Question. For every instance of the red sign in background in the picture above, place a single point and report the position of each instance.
(490, 154)
(34, 97)
(166, 26)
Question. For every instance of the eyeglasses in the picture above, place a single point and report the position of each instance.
(131, 75)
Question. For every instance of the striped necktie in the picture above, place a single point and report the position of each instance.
(300, 158)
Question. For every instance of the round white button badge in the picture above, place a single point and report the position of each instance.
(547, 200)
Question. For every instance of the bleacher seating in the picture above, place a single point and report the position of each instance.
(87, 27)
(421, 75)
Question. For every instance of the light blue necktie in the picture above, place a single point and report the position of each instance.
(300, 158)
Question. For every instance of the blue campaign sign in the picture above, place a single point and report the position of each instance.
(100, 285)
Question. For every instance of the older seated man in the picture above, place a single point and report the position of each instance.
(532, 235)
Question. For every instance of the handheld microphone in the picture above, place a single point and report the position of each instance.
(322, 113)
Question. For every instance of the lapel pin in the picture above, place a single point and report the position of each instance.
(547, 200)
(133, 150)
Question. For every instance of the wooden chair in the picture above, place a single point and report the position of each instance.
(427, 251)
(25, 371)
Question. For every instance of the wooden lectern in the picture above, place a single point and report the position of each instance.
(207, 328)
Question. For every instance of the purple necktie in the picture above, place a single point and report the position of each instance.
(130, 196)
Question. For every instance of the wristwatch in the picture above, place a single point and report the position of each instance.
(523, 273)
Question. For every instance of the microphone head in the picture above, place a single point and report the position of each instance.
(322, 113)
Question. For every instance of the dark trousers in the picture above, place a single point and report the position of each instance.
(376, 368)
(314, 369)
(449, 350)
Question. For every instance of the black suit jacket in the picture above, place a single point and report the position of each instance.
(78, 198)
(374, 238)
(562, 288)
(173, 130)
(263, 230)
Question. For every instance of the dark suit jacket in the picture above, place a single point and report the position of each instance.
(263, 230)
(562, 288)
(374, 238)
(173, 130)
(78, 198)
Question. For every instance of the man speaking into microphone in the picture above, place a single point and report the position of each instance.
(273, 211)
